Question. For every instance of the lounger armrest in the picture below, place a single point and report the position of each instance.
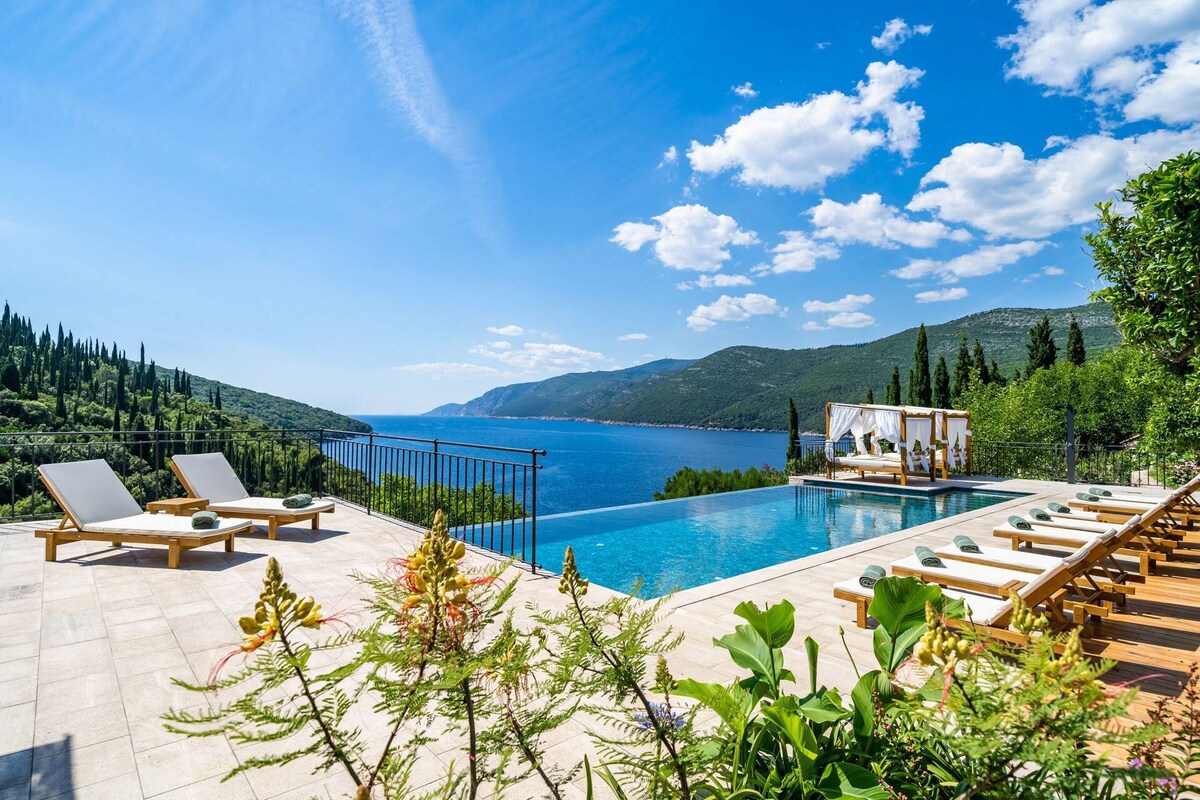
(951, 581)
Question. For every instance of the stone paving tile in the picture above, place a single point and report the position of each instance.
(59, 769)
(104, 631)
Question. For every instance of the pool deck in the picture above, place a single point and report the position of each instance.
(90, 643)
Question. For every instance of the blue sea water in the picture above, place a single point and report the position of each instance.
(590, 465)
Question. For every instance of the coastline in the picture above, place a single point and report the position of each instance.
(604, 422)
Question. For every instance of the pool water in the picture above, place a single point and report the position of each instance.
(680, 544)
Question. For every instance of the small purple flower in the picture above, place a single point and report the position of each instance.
(663, 714)
(1136, 763)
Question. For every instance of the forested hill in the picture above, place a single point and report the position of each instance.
(748, 387)
(60, 382)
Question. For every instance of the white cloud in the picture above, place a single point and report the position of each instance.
(1055, 142)
(732, 309)
(984, 261)
(447, 369)
(941, 295)
(507, 330)
(851, 302)
(1043, 272)
(745, 90)
(717, 281)
(814, 326)
(1141, 56)
(869, 221)
(686, 237)
(797, 253)
(632, 337)
(537, 356)
(896, 32)
(669, 158)
(995, 188)
(850, 319)
(801, 145)
(1054, 271)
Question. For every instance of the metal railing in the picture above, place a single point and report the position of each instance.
(489, 494)
(1056, 461)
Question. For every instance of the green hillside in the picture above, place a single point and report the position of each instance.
(747, 387)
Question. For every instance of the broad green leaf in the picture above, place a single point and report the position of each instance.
(775, 624)
(812, 649)
(899, 603)
(848, 780)
(731, 703)
(799, 735)
(750, 651)
(862, 697)
(824, 708)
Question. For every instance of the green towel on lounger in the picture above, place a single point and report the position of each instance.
(1020, 523)
(927, 557)
(871, 575)
(1059, 508)
(1099, 492)
(966, 544)
(1039, 515)
(297, 501)
(204, 520)
(1085, 497)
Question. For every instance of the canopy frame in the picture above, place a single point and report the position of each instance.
(928, 462)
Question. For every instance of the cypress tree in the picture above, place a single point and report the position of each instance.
(997, 375)
(922, 389)
(116, 426)
(981, 365)
(60, 402)
(941, 384)
(793, 429)
(1076, 352)
(912, 388)
(962, 370)
(893, 389)
(217, 401)
(1043, 352)
(870, 396)
(10, 378)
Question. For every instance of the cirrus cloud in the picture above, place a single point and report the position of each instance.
(507, 330)
(632, 337)
(733, 309)
(686, 237)
(801, 145)
(719, 281)
(447, 369)
(540, 356)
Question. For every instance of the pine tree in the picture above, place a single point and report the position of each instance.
(893, 389)
(941, 384)
(962, 370)
(921, 390)
(1043, 352)
(981, 365)
(793, 429)
(1076, 352)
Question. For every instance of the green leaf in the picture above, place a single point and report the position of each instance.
(862, 698)
(731, 703)
(749, 650)
(899, 607)
(824, 708)
(848, 780)
(812, 649)
(775, 624)
(799, 735)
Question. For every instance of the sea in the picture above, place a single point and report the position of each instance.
(594, 465)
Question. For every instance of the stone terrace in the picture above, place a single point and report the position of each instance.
(89, 645)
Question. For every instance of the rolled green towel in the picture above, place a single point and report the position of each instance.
(966, 544)
(1099, 492)
(1039, 515)
(871, 575)
(927, 557)
(204, 520)
(297, 501)
(1085, 497)
(1059, 508)
(1020, 523)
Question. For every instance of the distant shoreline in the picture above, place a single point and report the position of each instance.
(604, 422)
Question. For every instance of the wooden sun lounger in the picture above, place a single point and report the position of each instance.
(227, 497)
(83, 516)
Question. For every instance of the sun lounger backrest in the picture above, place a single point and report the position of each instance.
(1043, 586)
(89, 491)
(209, 475)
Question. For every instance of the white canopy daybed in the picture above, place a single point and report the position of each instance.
(926, 440)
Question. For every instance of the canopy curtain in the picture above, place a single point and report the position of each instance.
(887, 426)
(918, 429)
(841, 419)
(957, 434)
(860, 427)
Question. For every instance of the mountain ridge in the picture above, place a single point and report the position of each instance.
(746, 387)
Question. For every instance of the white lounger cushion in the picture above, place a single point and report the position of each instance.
(267, 505)
(209, 475)
(866, 462)
(966, 570)
(1132, 508)
(1002, 557)
(89, 491)
(1076, 514)
(1080, 524)
(165, 525)
(983, 610)
(1067, 537)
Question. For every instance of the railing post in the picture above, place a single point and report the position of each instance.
(370, 470)
(1070, 444)
(533, 565)
(436, 474)
(321, 462)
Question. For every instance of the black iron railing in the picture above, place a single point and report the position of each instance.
(489, 494)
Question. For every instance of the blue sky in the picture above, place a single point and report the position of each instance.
(379, 206)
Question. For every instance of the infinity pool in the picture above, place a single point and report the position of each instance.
(679, 544)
